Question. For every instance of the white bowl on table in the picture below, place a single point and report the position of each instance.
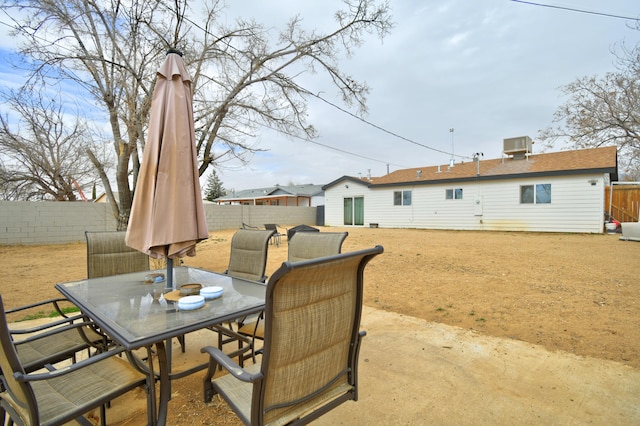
(189, 303)
(212, 292)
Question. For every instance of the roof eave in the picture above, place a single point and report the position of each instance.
(611, 170)
(347, 179)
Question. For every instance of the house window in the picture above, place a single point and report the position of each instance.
(535, 194)
(402, 198)
(454, 194)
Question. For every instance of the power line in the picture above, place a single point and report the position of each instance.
(331, 147)
(383, 129)
(322, 99)
(336, 106)
(204, 30)
(264, 125)
(609, 15)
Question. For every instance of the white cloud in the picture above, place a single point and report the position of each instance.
(490, 70)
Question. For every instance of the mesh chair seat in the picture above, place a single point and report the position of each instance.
(64, 398)
(248, 260)
(57, 347)
(59, 396)
(311, 344)
(108, 254)
(55, 341)
(302, 246)
(311, 245)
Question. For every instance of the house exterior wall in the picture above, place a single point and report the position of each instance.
(333, 201)
(317, 200)
(576, 205)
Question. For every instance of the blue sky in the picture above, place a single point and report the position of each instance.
(489, 69)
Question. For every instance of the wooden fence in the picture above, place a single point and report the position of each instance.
(623, 204)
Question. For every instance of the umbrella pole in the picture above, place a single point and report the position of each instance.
(169, 347)
(170, 274)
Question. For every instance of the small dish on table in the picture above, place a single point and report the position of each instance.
(212, 292)
(189, 303)
(154, 278)
(190, 289)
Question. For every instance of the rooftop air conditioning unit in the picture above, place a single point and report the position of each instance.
(519, 145)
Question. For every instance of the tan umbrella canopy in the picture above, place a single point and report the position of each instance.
(167, 216)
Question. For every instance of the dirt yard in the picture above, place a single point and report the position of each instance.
(575, 293)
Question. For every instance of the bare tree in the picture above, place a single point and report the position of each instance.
(603, 111)
(42, 150)
(243, 75)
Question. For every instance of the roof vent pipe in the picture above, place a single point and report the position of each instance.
(476, 158)
(419, 173)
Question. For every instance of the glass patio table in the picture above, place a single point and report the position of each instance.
(137, 315)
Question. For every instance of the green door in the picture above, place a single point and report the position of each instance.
(348, 211)
(354, 211)
(358, 211)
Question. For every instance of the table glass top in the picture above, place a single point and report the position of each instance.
(135, 313)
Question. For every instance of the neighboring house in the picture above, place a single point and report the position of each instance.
(294, 195)
(103, 198)
(554, 192)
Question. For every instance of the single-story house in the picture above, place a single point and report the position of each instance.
(553, 192)
(104, 198)
(308, 195)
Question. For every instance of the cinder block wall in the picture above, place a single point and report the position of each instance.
(65, 222)
(51, 222)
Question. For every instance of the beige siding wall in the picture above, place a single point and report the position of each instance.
(576, 206)
(334, 202)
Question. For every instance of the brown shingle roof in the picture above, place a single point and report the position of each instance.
(563, 162)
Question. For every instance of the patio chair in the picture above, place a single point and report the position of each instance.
(303, 246)
(248, 260)
(59, 396)
(277, 235)
(108, 254)
(54, 341)
(311, 245)
(311, 346)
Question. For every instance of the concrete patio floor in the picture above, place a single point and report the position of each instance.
(413, 372)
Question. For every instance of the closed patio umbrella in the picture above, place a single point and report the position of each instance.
(167, 217)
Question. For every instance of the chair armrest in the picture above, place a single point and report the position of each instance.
(50, 325)
(220, 358)
(32, 377)
(52, 331)
(55, 302)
